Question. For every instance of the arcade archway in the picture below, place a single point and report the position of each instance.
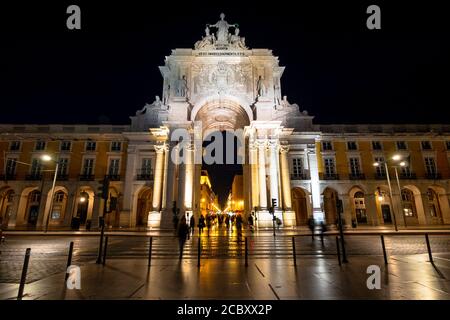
(299, 204)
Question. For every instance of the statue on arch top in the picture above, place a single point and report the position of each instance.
(222, 26)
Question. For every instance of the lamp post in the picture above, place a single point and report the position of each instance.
(396, 158)
(48, 158)
(376, 164)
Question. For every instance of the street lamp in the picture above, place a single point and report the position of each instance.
(377, 164)
(48, 158)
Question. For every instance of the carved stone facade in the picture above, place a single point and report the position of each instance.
(223, 85)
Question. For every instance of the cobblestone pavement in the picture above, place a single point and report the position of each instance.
(49, 253)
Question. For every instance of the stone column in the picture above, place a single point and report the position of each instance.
(315, 186)
(154, 217)
(128, 213)
(347, 208)
(164, 188)
(273, 153)
(189, 178)
(288, 214)
(166, 218)
(285, 178)
(253, 158)
(262, 174)
(12, 219)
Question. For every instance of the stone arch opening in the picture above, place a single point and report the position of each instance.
(358, 205)
(144, 206)
(438, 205)
(384, 205)
(224, 155)
(300, 205)
(6, 205)
(329, 205)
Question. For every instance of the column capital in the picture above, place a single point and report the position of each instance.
(284, 148)
(159, 148)
(261, 143)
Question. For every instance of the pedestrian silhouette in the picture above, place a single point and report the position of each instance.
(192, 225)
(312, 226)
(182, 234)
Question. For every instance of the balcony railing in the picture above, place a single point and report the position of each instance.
(62, 176)
(407, 175)
(380, 176)
(144, 175)
(329, 176)
(300, 176)
(33, 176)
(8, 176)
(357, 176)
(433, 176)
(114, 177)
(86, 177)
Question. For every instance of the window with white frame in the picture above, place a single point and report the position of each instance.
(355, 167)
(401, 145)
(352, 145)
(297, 166)
(376, 145)
(405, 170)
(14, 146)
(65, 145)
(426, 145)
(91, 145)
(36, 167)
(63, 166)
(116, 146)
(430, 166)
(88, 166)
(146, 166)
(330, 166)
(40, 145)
(114, 167)
(327, 145)
(380, 169)
(11, 165)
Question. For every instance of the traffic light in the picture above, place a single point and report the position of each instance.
(104, 188)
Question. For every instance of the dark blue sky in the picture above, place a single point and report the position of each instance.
(337, 69)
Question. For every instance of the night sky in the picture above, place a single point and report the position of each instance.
(336, 68)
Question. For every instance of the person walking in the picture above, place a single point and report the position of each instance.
(208, 222)
(227, 222)
(250, 222)
(192, 225)
(312, 227)
(201, 224)
(323, 229)
(182, 234)
(239, 226)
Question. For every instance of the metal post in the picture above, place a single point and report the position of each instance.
(102, 231)
(69, 259)
(400, 195)
(338, 250)
(246, 252)
(150, 251)
(104, 251)
(52, 194)
(384, 249)
(199, 252)
(429, 247)
(293, 251)
(390, 193)
(341, 232)
(24, 273)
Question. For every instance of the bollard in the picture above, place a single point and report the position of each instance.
(246, 252)
(384, 249)
(24, 273)
(428, 247)
(104, 251)
(69, 259)
(198, 252)
(293, 251)
(338, 251)
(150, 251)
